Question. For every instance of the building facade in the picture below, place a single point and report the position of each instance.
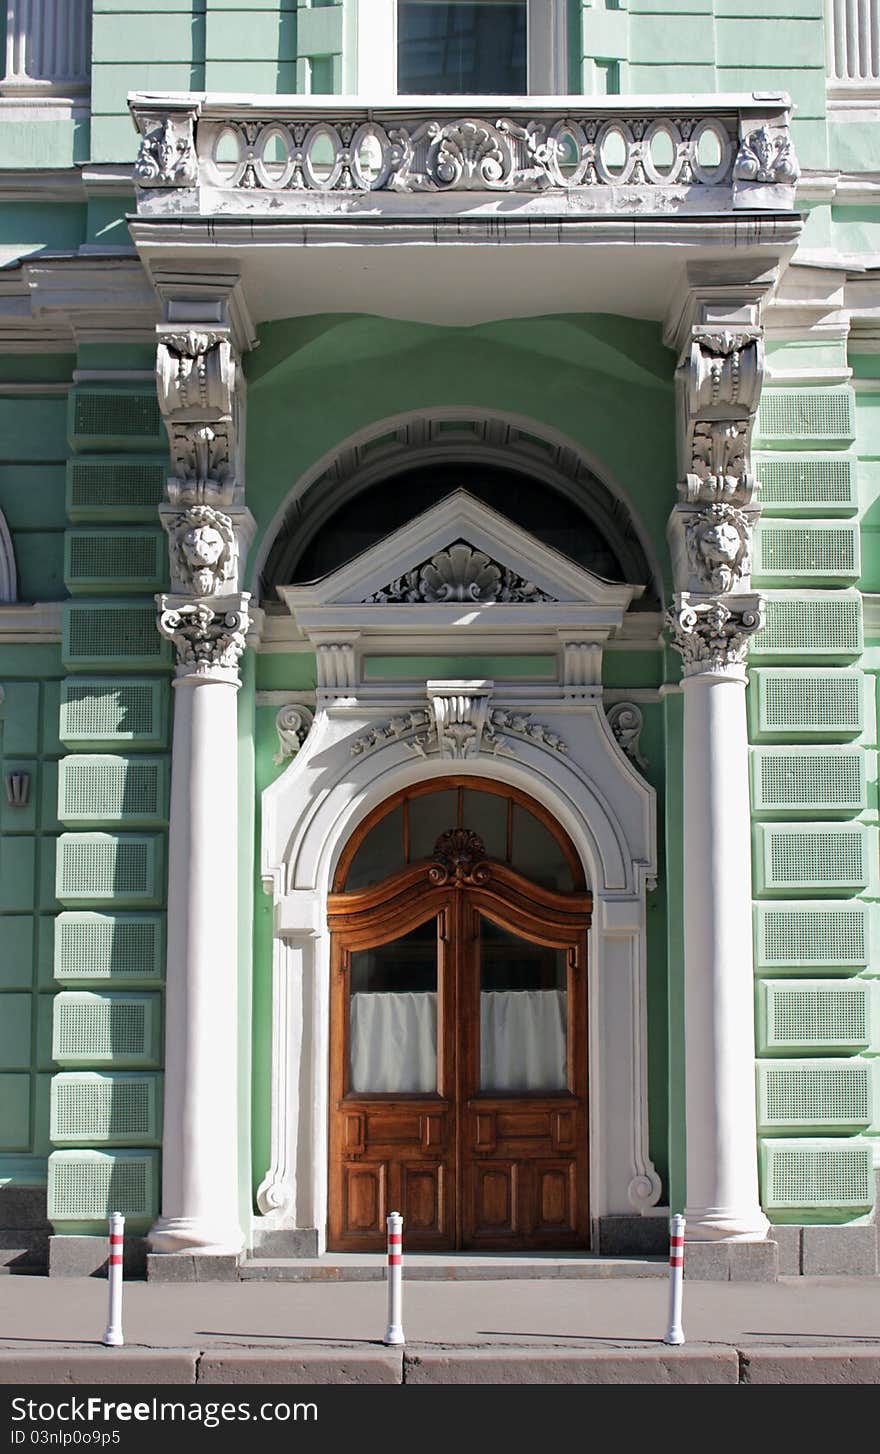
(439, 615)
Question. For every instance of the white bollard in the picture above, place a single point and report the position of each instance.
(675, 1332)
(113, 1337)
(394, 1331)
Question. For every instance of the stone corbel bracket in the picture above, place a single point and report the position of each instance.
(293, 723)
(167, 154)
(719, 386)
(766, 170)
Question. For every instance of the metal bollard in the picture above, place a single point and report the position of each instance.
(113, 1337)
(394, 1331)
(675, 1332)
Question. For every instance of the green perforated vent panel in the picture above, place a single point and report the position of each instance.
(103, 866)
(122, 633)
(829, 858)
(825, 416)
(804, 486)
(105, 711)
(810, 937)
(813, 1017)
(120, 1109)
(821, 1095)
(101, 561)
(85, 1186)
(112, 789)
(821, 552)
(105, 1028)
(117, 489)
(104, 418)
(810, 626)
(813, 1176)
(109, 947)
(804, 780)
(822, 705)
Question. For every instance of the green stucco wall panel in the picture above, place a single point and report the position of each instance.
(16, 958)
(32, 496)
(286, 671)
(852, 144)
(805, 86)
(106, 221)
(15, 1112)
(140, 39)
(20, 820)
(48, 901)
(658, 7)
(664, 79)
(19, 718)
(17, 874)
(33, 429)
(856, 229)
(248, 34)
(766, 42)
(265, 77)
(671, 39)
(30, 227)
(868, 425)
(39, 556)
(43, 142)
(632, 668)
(15, 1031)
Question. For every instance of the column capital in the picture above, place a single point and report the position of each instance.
(712, 633)
(208, 636)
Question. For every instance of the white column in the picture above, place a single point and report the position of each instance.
(47, 45)
(200, 1157)
(722, 1166)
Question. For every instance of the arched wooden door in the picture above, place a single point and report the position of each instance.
(458, 1015)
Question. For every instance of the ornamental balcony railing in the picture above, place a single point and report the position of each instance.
(329, 156)
(48, 47)
(853, 33)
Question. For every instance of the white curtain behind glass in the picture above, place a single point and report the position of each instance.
(522, 1040)
(394, 1042)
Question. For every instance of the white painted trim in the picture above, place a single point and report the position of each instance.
(25, 391)
(30, 624)
(871, 614)
(547, 29)
(8, 572)
(787, 377)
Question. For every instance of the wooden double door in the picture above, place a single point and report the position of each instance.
(458, 1049)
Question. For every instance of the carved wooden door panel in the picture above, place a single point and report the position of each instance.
(458, 1058)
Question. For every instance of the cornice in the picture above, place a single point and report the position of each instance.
(30, 625)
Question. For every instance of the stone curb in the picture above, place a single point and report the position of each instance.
(544, 1365)
(98, 1365)
(311, 1365)
(810, 1365)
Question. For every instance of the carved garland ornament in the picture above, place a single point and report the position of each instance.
(195, 372)
(717, 543)
(458, 573)
(493, 736)
(720, 471)
(713, 636)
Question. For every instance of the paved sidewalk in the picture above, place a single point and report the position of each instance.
(798, 1330)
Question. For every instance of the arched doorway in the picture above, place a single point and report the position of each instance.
(458, 1056)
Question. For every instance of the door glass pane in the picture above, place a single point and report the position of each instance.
(430, 815)
(380, 854)
(486, 814)
(523, 1014)
(461, 46)
(537, 853)
(393, 1014)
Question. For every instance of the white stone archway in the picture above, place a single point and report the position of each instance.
(369, 740)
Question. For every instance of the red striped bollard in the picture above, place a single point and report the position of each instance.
(394, 1331)
(675, 1333)
(113, 1337)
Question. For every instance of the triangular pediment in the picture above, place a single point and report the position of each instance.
(460, 551)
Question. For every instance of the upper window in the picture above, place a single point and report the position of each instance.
(462, 46)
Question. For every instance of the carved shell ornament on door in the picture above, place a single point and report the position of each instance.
(459, 857)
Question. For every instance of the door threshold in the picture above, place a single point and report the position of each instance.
(449, 1267)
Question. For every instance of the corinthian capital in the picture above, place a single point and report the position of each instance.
(712, 635)
(208, 641)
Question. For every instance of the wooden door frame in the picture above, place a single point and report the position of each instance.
(449, 891)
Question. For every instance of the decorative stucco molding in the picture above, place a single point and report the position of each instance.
(293, 724)
(203, 551)
(459, 857)
(8, 572)
(459, 573)
(626, 722)
(765, 155)
(208, 641)
(718, 541)
(712, 635)
(459, 725)
(167, 155)
(719, 383)
(195, 373)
